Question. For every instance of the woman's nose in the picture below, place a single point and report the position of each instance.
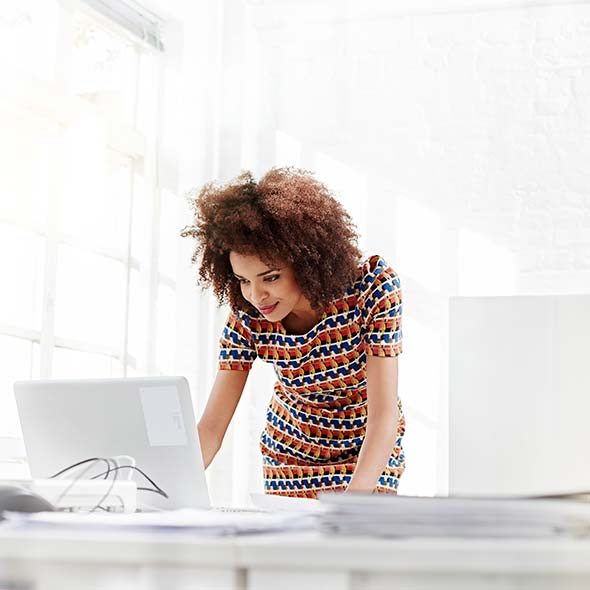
(258, 293)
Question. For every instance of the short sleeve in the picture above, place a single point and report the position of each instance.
(236, 346)
(381, 298)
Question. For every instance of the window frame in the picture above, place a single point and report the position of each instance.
(48, 106)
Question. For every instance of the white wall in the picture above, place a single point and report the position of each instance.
(466, 131)
(457, 133)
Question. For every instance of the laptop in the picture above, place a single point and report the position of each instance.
(150, 419)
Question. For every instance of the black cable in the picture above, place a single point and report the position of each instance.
(157, 489)
(108, 492)
(106, 473)
(93, 461)
(161, 492)
(110, 469)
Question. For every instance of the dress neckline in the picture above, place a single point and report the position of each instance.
(311, 332)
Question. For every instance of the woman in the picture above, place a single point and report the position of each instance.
(283, 253)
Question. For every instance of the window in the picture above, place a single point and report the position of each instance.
(82, 295)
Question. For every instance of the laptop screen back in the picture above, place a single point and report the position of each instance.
(148, 418)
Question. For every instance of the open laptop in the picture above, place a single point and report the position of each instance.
(148, 418)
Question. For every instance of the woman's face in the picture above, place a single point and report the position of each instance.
(271, 289)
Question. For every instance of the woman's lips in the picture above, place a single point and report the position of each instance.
(267, 310)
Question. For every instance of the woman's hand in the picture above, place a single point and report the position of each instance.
(382, 419)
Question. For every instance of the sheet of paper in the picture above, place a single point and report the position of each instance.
(188, 520)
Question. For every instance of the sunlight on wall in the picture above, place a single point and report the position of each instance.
(484, 268)
(419, 390)
(418, 238)
(420, 450)
(166, 330)
(168, 238)
(287, 150)
(420, 367)
(348, 185)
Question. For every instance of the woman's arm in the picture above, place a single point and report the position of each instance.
(382, 417)
(220, 408)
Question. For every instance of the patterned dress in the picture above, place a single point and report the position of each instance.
(316, 419)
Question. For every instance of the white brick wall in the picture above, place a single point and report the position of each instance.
(464, 129)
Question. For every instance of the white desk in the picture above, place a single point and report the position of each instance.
(308, 561)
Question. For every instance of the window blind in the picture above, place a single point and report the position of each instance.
(133, 17)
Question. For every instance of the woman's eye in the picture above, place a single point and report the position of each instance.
(242, 281)
(271, 279)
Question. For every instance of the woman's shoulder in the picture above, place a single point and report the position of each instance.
(251, 323)
(375, 270)
(239, 320)
(377, 282)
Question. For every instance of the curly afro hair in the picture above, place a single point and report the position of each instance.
(287, 216)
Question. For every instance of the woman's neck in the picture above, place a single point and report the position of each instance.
(300, 321)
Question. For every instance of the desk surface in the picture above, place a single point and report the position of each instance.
(299, 558)
(308, 549)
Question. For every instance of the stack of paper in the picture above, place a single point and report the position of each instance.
(407, 516)
(201, 522)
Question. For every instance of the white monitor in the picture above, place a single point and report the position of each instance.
(519, 398)
(148, 418)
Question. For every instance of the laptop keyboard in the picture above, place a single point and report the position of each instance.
(236, 509)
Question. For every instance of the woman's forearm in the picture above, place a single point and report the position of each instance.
(375, 452)
(221, 405)
(209, 442)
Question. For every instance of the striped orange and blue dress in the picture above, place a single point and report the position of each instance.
(316, 418)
